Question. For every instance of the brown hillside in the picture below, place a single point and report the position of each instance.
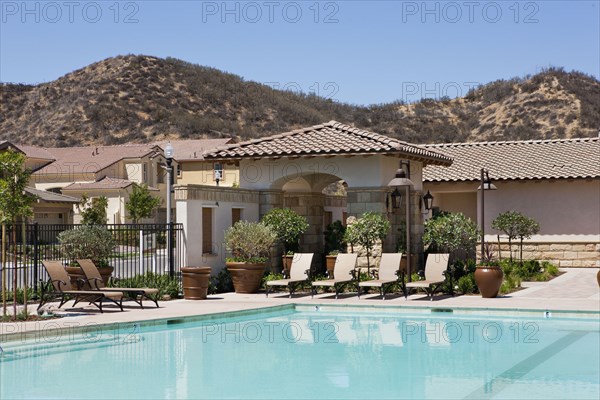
(142, 98)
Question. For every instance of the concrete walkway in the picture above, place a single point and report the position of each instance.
(575, 290)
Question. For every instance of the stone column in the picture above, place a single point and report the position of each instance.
(269, 199)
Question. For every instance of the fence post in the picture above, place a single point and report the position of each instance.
(170, 250)
(35, 260)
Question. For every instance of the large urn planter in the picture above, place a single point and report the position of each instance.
(195, 282)
(77, 277)
(246, 277)
(598, 277)
(489, 280)
(287, 264)
(330, 265)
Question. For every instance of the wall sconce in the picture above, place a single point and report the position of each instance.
(428, 201)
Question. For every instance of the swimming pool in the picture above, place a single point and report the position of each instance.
(313, 352)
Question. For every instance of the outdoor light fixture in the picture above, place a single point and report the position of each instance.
(485, 184)
(428, 201)
(169, 153)
(402, 180)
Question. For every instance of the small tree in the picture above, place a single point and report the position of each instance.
(93, 211)
(288, 227)
(452, 233)
(516, 225)
(14, 204)
(367, 231)
(141, 203)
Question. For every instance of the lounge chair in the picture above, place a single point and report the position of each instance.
(389, 273)
(435, 269)
(343, 274)
(299, 273)
(59, 280)
(95, 281)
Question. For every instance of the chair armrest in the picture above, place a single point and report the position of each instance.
(60, 283)
(93, 283)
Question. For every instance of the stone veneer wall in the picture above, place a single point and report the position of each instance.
(564, 254)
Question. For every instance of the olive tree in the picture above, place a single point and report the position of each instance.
(367, 231)
(15, 204)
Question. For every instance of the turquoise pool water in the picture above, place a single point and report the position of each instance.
(356, 354)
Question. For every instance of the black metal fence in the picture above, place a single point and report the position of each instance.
(140, 248)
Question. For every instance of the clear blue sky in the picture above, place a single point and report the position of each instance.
(360, 52)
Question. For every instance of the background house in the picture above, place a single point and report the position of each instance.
(556, 182)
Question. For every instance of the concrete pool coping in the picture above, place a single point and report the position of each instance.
(574, 294)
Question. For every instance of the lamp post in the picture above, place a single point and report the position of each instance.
(401, 180)
(484, 184)
(169, 156)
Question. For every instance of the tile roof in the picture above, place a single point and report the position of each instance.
(102, 184)
(192, 150)
(528, 159)
(36, 152)
(328, 139)
(5, 144)
(51, 197)
(91, 159)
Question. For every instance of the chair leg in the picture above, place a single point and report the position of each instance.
(312, 292)
(267, 291)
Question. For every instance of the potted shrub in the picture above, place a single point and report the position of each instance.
(368, 230)
(249, 244)
(95, 242)
(488, 274)
(334, 244)
(288, 226)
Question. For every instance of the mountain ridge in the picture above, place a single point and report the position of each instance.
(141, 99)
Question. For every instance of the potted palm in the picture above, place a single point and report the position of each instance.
(95, 242)
(249, 244)
(288, 226)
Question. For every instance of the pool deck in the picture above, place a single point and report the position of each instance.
(575, 290)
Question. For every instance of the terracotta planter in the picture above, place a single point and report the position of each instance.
(489, 280)
(330, 264)
(75, 274)
(195, 282)
(246, 277)
(287, 264)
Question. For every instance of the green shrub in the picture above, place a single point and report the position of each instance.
(95, 242)
(270, 276)
(453, 233)
(164, 283)
(249, 241)
(220, 283)
(466, 284)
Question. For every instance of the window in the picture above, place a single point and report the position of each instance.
(328, 218)
(218, 172)
(179, 169)
(144, 173)
(207, 229)
(236, 215)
